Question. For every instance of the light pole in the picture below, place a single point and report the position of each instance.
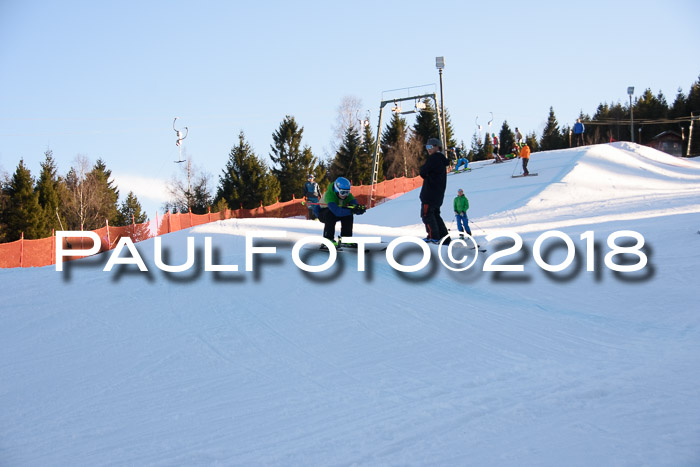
(440, 64)
(630, 91)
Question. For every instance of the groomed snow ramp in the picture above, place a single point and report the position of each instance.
(278, 366)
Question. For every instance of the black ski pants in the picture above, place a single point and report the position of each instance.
(329, 220)
(434, 225)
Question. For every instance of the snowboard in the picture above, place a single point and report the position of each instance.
(528, 175)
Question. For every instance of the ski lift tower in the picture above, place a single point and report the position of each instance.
(419, 105)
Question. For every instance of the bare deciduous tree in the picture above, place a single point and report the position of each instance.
(80, 197)
(191, 193)
(348, 115)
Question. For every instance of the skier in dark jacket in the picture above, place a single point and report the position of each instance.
(434, 173)
(312, 193)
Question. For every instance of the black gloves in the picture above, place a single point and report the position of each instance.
(358, 209)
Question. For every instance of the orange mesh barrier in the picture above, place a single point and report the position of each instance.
(42, 252)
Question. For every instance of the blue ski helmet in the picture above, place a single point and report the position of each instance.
(342, 186)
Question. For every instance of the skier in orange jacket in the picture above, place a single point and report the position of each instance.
(525, 156)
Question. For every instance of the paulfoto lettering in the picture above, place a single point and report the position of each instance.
(457, 255)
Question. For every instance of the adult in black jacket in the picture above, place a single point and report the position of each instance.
(434, 173)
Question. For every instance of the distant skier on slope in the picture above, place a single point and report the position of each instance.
(496, 148)
(312, 192)
(518, 136)
(525, 156)
(578, 132)
(432, 194)
(339, 205)
(461, 204)
(460, 160)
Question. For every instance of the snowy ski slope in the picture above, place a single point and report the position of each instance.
(278, 366)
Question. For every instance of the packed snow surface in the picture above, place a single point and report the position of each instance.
(278, 366)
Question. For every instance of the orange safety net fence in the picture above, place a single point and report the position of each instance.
(42, 252)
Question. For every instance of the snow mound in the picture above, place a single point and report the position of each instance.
(278, 366)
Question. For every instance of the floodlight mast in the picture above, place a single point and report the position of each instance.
(630, 91)
(440, 64)
(375, 157)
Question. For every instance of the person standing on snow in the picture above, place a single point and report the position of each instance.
(339, 205)
(496, 148)
(578, 132)
(312, 192)
(525, 156)
(518, 136)
(432, 194)
(461, 204)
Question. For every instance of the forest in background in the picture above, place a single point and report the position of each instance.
(86, 198)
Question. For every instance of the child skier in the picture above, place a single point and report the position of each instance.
(461, 160)
(339, 204)
(461, 204)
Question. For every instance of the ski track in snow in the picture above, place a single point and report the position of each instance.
(282, 367)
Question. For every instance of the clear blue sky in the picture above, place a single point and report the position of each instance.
(105, 80)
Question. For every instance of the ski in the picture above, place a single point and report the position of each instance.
(523, 175)
(460, 171)
(349, 247)
(468, 246)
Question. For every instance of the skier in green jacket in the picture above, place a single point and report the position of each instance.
(339, 204)
(461, 204)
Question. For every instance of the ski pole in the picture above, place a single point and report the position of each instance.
(476, 225)
(515, 168)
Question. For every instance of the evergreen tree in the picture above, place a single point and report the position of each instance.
(477, 151)
(679, 107)
(48, 188)
(200, 197)
(531, 140)
(130, 211)
(23, 214)
(107, 194)
(426, 125)
(401, 149)
(345, 163)
(392, 141)
(506, 138)
(246, 181)
(449, 132)
(321, 174)
(220, 206)
(612, 123)
(131, 214)
(488, 147)
(551, 136)
(650, 107)
(293, 163)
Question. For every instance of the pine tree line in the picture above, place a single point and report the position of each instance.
(611, 122)
(86, 196)
(83, 199)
